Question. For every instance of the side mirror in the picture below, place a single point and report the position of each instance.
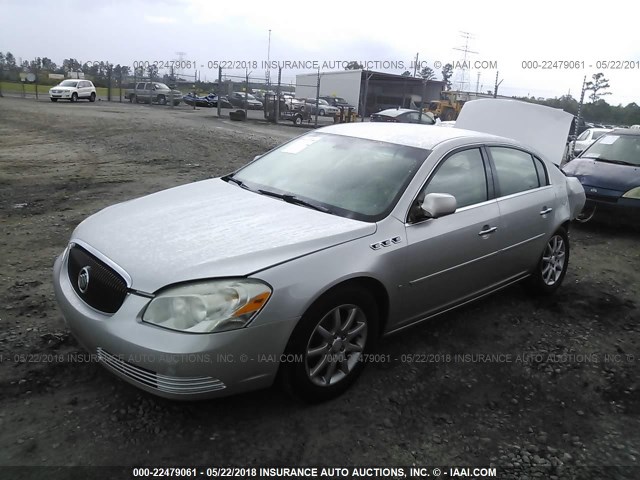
(437, 205)
(256, 157)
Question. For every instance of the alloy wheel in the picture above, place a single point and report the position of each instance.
(553, 260)
(336, 345)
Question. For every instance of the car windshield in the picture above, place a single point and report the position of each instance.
(616, 148)
(352, 177)
(69, 83)
(598, 133)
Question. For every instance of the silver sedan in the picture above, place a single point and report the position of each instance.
(295, 265)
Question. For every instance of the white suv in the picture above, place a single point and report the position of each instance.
(73, 90)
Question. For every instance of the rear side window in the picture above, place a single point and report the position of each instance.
(542, 172)
(515, 170)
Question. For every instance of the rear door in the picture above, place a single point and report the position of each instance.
(526, 201)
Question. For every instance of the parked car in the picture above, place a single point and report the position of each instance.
(403, 115)
(587, 137)
(294, 266)
(609, 171)
(238, 99)
(224, 102)
(156, 92)
(338, 102)
(73, 90)
(324, 109)
(293, 103)
(191, 98)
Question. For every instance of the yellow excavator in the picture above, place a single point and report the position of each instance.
(447, 108)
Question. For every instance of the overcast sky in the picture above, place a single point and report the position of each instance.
(121, 31)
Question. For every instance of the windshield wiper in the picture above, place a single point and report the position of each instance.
(230, 178)
(617, 162)
(289, 198)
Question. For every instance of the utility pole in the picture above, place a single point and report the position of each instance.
(495, 89)
(577, 119)
(415, 65)
(219, 89)
(268, 72)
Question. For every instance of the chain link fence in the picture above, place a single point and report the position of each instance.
(231, 94)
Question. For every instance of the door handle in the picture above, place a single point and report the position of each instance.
(486, 230)
(546, 210)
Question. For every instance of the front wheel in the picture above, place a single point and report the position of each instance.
(162, 100)
(297, 120)
(329, 343)
(74, 97)
(321, 113)
(553, 264)
(54, 99)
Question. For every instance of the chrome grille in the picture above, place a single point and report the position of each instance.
(106, 289)
(163, 383)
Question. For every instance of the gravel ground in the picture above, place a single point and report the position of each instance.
(539, 387)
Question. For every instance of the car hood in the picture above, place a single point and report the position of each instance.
(609, 176)
(543, 129)
(209, 229)
(63, 88)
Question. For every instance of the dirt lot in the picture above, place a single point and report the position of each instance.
(563, 394)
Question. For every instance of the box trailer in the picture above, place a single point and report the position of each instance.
(368, 90)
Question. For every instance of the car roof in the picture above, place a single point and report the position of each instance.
(410, 134)
(394, 112)
(625, 131)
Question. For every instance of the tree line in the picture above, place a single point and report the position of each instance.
(100, 73)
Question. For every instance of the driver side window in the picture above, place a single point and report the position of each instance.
(461, 175)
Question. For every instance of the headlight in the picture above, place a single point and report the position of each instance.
(633, 193)
(211, 306)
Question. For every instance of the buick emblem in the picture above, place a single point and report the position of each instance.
(83, 279)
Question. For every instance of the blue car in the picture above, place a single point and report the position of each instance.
(609, 170)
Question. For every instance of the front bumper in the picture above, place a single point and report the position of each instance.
(168, 363)
(612, 205)
(65, 94)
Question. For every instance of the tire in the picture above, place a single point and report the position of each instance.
(161, 100)
(132, 98)
(553, 263)
(328, 344)
(297, 120)
(175, 104)
(74, 97)
(54, 99)
(92, 97)
(321, 113)
(448, 115)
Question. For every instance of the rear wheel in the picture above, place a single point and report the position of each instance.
(297, 120)
(92, 97)
(553, 264)
(329, 343)
(447, 115)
